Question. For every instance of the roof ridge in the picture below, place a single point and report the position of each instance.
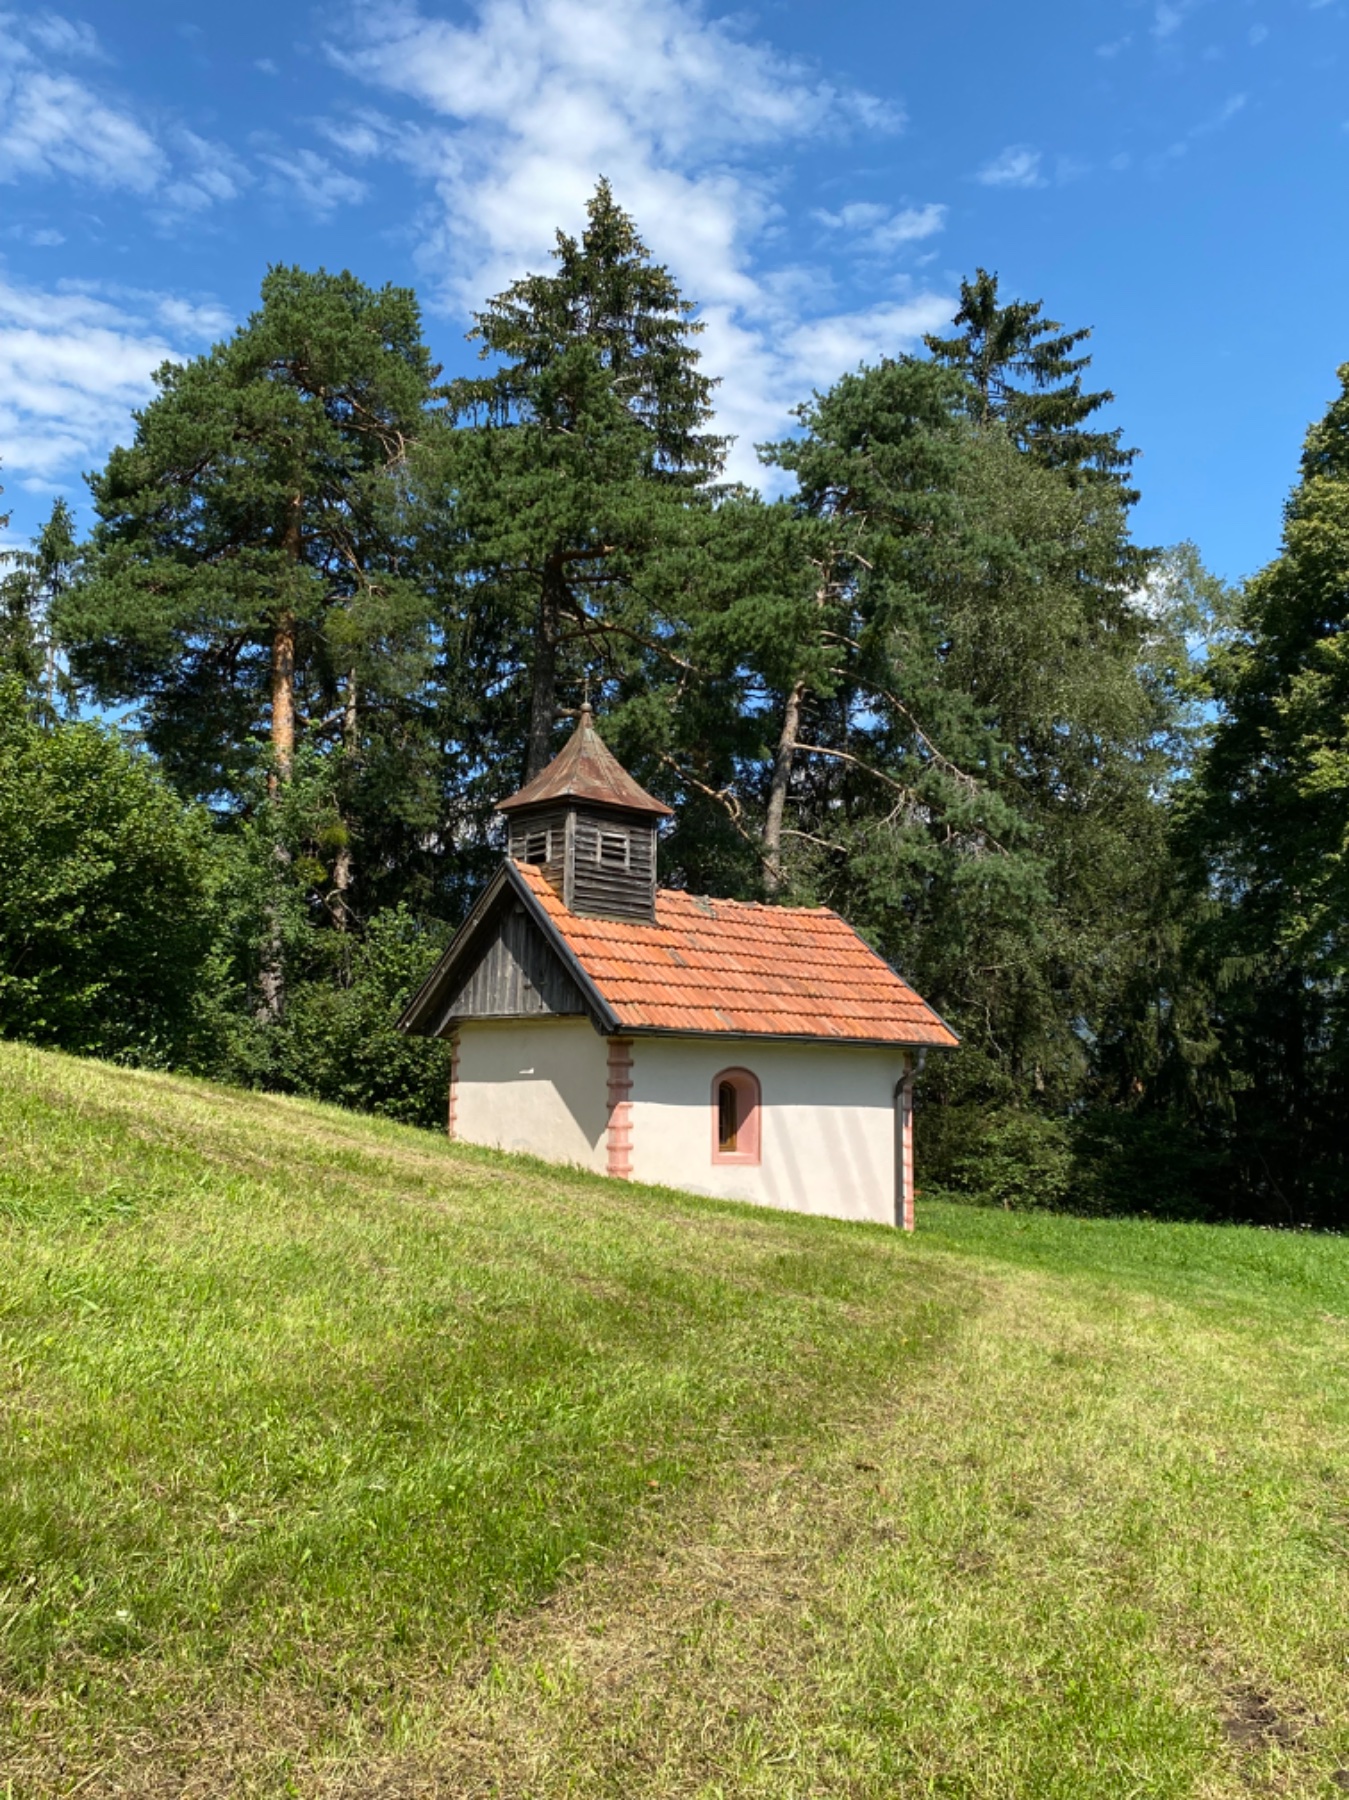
(769, 906)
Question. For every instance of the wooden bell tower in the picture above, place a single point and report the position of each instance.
(590, 828)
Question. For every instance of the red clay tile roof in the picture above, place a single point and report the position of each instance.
(748, 970)
(586, 769)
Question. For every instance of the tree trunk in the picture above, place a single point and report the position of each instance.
(777, 792)
(543, 699)
(344, 867)
(283, 699)
(272, 975)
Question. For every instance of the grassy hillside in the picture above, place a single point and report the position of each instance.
(336, 1461)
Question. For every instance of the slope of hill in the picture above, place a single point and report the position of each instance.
(336, 1460)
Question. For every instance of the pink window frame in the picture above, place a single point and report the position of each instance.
(749, 1111)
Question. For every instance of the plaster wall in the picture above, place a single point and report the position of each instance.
(827, 1123)
(538, 1086)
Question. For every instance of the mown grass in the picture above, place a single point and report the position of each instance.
(337, 1460)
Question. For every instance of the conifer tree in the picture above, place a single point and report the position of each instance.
(249, 582)
(1272, 821)
(1023, 371)
(248, 561)
(580, 457)
(30, 596)
(969, 732)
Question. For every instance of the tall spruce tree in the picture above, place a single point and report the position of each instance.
(580, 459)
(1023, 371)
(31, 595)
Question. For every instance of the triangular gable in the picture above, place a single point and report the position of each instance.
(506, 961)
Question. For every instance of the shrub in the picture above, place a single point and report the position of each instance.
(338, 1039)
(105, 919)
(1011, 1157)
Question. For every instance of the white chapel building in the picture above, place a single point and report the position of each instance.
(759, 1053)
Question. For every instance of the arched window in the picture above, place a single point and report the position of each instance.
(735, 1117)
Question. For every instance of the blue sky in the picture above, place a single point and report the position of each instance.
(819, 176)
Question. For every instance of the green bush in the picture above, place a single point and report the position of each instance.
(338, 1039)
(1008, 1156)
(1157, 1163)
(105, 880)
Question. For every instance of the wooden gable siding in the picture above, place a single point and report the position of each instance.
(518, 975)
(606, 891)
(556, 822)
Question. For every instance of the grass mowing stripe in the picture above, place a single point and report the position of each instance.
(321, 1392)
(340, 1462)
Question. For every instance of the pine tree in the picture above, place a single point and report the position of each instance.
(579, 460)
(249, 582)
(1023, 371)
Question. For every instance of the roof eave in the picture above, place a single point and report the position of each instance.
(788, 1037)
(645, 809)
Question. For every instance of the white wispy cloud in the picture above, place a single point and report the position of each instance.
(207, 174)
(530, 101)
(1018, 165)
(55, 124)
(64, 37)
(1169, 16)
(75, 361)
(312, 180)
(882, 229)
(1234, 104)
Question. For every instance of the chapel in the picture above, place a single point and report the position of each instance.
(757, 1053)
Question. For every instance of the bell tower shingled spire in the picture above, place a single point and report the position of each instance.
(589, 828)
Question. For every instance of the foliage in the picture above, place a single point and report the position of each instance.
(1268, 833)
(1008, 1156)
(339, 1040)
(105, 905)
(30, 596)
(575, 476)
(1023, 373)
(250, 583)
(978, 789)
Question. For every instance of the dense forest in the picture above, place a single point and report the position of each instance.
(1089, 800)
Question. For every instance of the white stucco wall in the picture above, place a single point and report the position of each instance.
(827, 1120)
(827, 1123)
(539, 1086)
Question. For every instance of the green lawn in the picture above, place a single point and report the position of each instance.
(336, 1461)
